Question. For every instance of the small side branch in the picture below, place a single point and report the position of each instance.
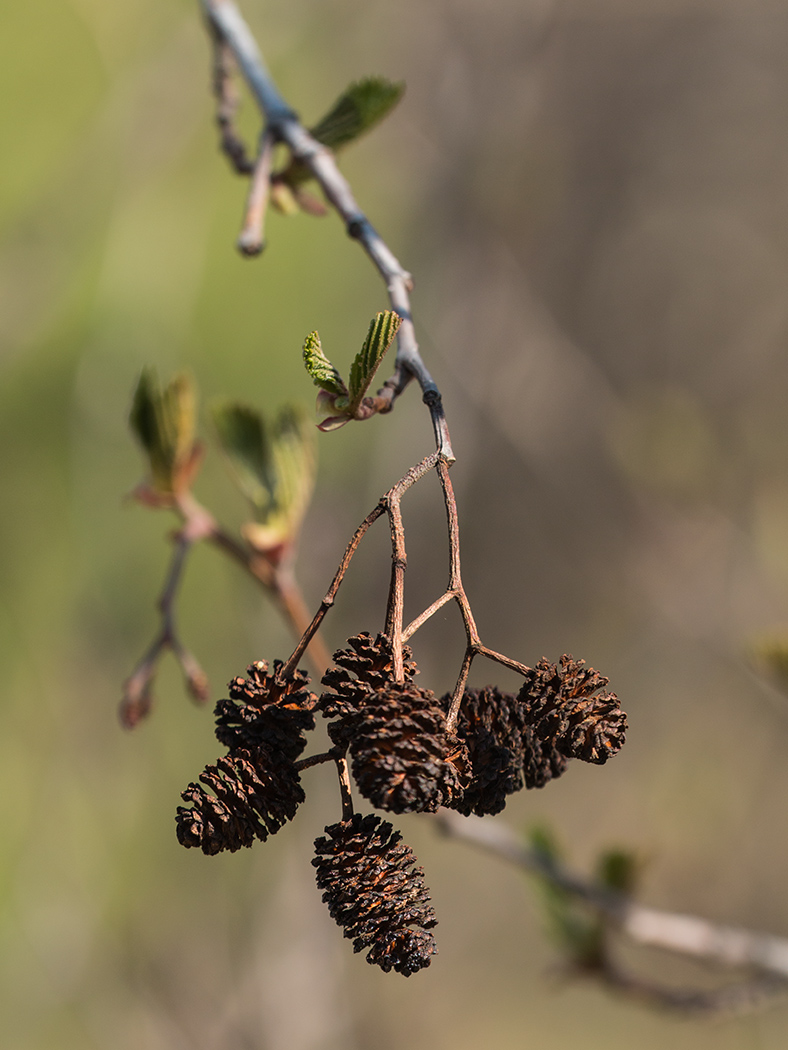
(230, 142)
(336, 583)
(344, 788)
(251, 239)
(137, 694)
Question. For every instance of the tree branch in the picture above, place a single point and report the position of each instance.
(685, 935)
(229, 27)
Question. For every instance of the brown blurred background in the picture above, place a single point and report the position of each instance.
(593, 199)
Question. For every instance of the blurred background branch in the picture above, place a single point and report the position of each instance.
(725, 946)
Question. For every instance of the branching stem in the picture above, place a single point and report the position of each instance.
(230, 29)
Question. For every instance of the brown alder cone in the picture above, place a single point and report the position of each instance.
(267, 708)
(255, 792)
(504, 754)
(375, 894)
(403, 760)
(565, 705)
(359, 671)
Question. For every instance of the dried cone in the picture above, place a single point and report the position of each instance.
(403, 759)
(564, 705)
(375, 894)
(360, 671)
(267, 709)
(504, 755)
(541, 761)
(255, 792)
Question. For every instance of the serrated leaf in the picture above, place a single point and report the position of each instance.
(242, 435)
(163, 421)
(382, 329)
(320, 368)
(358, 109)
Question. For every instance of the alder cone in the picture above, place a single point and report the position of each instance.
(272, 710)
(504, 754)
(375, 893)
(255, 792)
(403, 760)
(542, 762)
(359, 672)
(565, 706)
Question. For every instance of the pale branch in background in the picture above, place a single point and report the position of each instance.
(763, 954)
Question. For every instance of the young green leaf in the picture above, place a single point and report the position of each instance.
(273, 465)
(242, 435)
(358, 109)
(382, 330)
(293, 461)
(163, 421)
(320, 368)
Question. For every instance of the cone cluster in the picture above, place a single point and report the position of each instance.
(255, 788)
(403, 758)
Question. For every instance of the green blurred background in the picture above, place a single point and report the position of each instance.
(592, 196)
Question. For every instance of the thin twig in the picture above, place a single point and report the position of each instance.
(344, 788)
(251, 239)
(396, 602)
(137, 688)
(394, 494)
(317, 760)
(336, 583)
(505, 661)
(231, 143)
(459, 691)
(228, 24)
(428, 613)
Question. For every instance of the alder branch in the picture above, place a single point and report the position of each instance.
(229, 29)
(685, 935)
(199, 525)
(137, 698)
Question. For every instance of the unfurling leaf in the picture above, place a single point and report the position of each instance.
(293, 461)
(243, 438)
(320, 368)
(163, 421)
(382, 330)
(274, 466)
(358, 109)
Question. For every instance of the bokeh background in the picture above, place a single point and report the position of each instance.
(592, 196)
